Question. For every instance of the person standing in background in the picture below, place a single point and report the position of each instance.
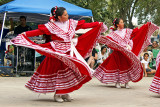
(22, 27)
(155, 50)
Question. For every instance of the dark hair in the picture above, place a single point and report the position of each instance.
(103, 47)
(116, 21)
(146, 54)
(156, 41)
(58, 12)
(0, 22)
(21, 17)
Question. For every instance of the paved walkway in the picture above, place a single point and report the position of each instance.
(93, 94)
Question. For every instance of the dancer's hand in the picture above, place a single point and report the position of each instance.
(23, 33)
(104, 28)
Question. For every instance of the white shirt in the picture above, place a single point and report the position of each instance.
(100, 57)
(145, 63)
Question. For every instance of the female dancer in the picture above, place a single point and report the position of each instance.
(155, 86)
(64, 68)
(123, 65)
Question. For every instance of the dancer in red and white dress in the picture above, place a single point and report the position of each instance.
(123, 64)
(64, 68)
(155, 86)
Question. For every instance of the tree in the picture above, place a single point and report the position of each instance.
(4, 1)
(98, 7)
(107, 10)
(148, 11)
(156, 19)
(144, 10)
(124, 9)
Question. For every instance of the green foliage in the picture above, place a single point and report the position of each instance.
(123, 9)
(4, 1)
(107, 10)
(148, 10)
(98, 8)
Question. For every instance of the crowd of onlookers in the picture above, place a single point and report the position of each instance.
(147, 57)
(98, 55)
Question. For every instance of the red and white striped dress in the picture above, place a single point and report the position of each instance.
(123, 65)
(61, 71)
(155, 86)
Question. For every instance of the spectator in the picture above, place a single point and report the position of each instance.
(145, 64)
(102, 55)
(98, 46)
(10, 55)
(22, 27)
(3, 44)
(146, 51)
(155, 51)
(92, 59)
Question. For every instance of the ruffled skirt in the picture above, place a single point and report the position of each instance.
(155, 86)
(60, 72)
(124, 65)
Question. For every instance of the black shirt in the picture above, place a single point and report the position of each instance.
(19, 29)
(94, 52)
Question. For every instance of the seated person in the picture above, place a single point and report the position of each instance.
(92, 59)
(102, 55)
(146, 51)
(10, 55)
(145, 65)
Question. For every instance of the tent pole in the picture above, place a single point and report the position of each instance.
(92, 19)
(2, 27)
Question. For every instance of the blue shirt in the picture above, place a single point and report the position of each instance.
(3, 44)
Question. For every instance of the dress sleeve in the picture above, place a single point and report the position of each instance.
(32, 33)
(40, 31)
(82, 25)
(134, 33)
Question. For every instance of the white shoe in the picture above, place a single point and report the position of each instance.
(118, 85)
(58, 98)
(66, 98)
(127, 86)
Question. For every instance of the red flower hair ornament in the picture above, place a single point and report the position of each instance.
(114, 21)
(52, 17)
